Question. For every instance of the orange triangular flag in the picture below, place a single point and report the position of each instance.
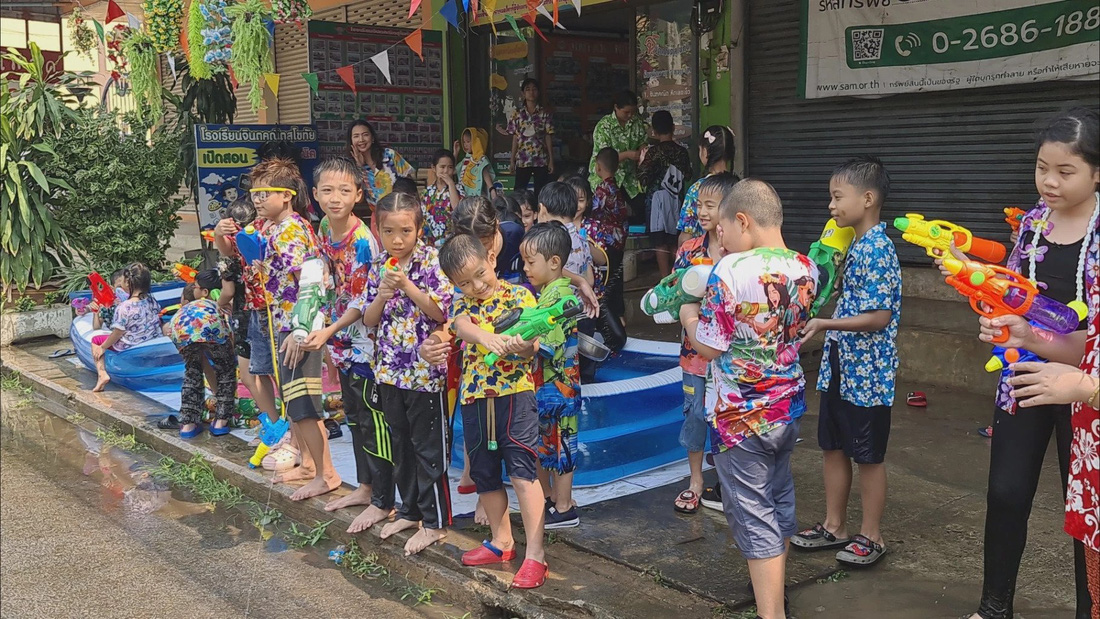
(415, 41)
(348, 75)
(232, 78)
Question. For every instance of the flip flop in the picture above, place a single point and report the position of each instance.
(861, 552)
(62, 352)
(170, 422)
(193, 433)
(916, 399)
(467, 489)
(817, 538)
(222, 431)
(986, 432)
(690, 502)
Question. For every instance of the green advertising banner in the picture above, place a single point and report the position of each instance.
(879, 47)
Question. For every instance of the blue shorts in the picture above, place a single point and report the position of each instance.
(558, 415)
(694, 433)
(259, 364)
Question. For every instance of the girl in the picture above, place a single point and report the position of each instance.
(716, 154)
(405, 302)
(439, 198)
(532, 145)
(136, 320)
(381, 166)
(475, 173)
(528, 208)
(1059, 249)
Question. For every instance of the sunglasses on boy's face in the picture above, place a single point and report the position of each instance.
(261, 194)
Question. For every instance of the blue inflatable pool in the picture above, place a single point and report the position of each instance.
(630, 420)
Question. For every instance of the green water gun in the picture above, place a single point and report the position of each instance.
(532, 322)
(828, 254)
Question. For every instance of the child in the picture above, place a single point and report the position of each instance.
(509, 261)
(858, 365)
(693, 434)
(606, 225)
(406, 304)
(439, 198)
(103, 317)
(557, 374)
(475, 174)
(499, 414)
(136, 320)
(716, 154)
(759, 384)
(663, 170)
(200, 332)
(528, 208)
(290, 242)
(584, 201)
(350, 249)
(558, 202)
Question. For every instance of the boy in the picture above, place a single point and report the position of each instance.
(858, 366)
(290, 242)
(558, 202)
(499, 398)
(693, 434)
(350, 247)
(606, 225)
(758, 381)
(545, 249)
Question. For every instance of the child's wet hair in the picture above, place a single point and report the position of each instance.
(395, 202)
(608, 158)
(507, 208)
(458, 251)
(755, 198)
(209, 279)
(242, 211)
(721, 183)
(138, 279)
(476, 216)
(117, 275)
(1079, 129)
(718, 142)
(560, 199)
(526, 197)
(406, 186)
(865, 173)
(281, 172)
(579, 183)
(440, 154)
(548, 240)
(662, 122)
(338, 165)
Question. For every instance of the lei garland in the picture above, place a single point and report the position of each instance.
(287, 11)
(196, 51)
(217, 36)
(116, 60)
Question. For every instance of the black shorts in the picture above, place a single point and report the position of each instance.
(240, 335)
(300, 386)
(860, 431)
(663, 239)
(517, 436)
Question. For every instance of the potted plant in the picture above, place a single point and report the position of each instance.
(24, 319)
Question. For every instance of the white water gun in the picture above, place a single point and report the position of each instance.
(312, 289)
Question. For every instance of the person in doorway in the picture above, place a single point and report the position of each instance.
(532, 145)
(663, 173)
(382, 166)
(625, 132)
(716, 154)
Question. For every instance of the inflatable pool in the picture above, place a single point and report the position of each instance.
(630, 418)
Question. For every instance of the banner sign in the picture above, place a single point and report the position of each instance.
(224, 155)
(880, 47)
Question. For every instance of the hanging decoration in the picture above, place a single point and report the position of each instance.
(133, 21)
(272, 81)
(382, 61)
(415, 41)
(99, 31)
(287, 11)
(217, 36)
(515, 27)
(196, 49)
(114, 11)
(116, 59)
(81, 34)
(312, 80)
(450, 13)
(415, 4)
(162, 21)
(348, 75)
(144, 79)
(251, 47)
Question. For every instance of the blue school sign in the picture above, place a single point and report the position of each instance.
(226, 153)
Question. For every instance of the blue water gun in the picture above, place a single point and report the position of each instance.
(271, 432)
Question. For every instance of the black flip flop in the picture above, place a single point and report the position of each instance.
(62, 352)
(170, 422)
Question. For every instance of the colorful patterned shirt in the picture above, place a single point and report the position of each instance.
(378, 182)
(289, 244)
(631, 136)
(404, 326)
(606, 221)
(471, 176)
(753, 314)
(558, 361)
(691, 362)
(580, 256)
(1082, 504)
(871, 281)
(689, 213)
(509, 374)
(532, 129)
(349, 262)
(140, 319)
(437, 211)
(651, 171)
(198, 322)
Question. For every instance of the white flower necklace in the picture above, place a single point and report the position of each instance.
(1040, 229)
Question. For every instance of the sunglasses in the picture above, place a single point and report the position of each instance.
(261, 194)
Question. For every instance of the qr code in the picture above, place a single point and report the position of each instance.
(866, 44)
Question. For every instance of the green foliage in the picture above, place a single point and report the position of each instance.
(162, 22)
(251, 47)
(144, 78)
(123, 208)
(197, 476)
(299, 538)
(53, 298)
(196, 52)
(23, 304)
(208, 101)
(361, 564)
(113, 438)
(418, 594)
(12, 383)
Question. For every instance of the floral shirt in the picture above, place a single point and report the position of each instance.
(1082, 505)
(557, 361)
(689, 212)
(606, 223)
(690, 361)
(404, 326)
(140, 319)
(753, 314)
(437, 211)
(289, 244)
(870, 281)
(532, 129)
(379, 181)
(509, 374)
(349, 262)
(631, 136)
(580, 256)
(198, 322)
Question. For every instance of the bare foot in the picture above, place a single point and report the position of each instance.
(422, 539)
(359, 496)
(480, 517)
(101, 383)
(300, 473)
(397, 526)
(317, 487)
(370, 517)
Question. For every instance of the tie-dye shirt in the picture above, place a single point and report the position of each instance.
(198, 322)
(349, 262)
(753, 313)
(289, 244)
(509, 374)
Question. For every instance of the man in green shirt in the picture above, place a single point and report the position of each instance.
(626, 133)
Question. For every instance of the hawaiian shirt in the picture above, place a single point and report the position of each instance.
(289, 244)
(557, 361)
(140, 321)
(471, 175)
(349, 262)
(532, 129)
(606, 220)
(753, 314)
(509, 374)
(1082, 506)
(870, 281)
(437, 211)
(198, 322)
(580, 256)
(631, 136)
(689, 213)
(404, 326)
(691, 362)
(379, 181)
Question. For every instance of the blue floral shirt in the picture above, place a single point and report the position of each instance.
(689, 212)
(871, 281)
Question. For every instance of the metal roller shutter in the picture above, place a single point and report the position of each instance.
(959, 155)
(291, 61)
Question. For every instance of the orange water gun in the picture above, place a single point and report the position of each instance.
(936, 236)
(184, 272)
(1014, 217)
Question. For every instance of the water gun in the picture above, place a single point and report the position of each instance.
(532, 322)
(1003, 357)
(686, 285)
(271, 432)
(207, 235)
(1014, 217)
(251, 245)
(103, 294)
(307, 316)
(996, 291)
(828, 254)
(184, 272)
(935, 237)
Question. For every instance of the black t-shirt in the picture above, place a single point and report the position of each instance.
(1058, 270)
(509, 259)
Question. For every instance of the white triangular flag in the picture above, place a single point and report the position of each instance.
(172, 64)
(382, 61)
(542, 11)
(134, 22)
(577, 5)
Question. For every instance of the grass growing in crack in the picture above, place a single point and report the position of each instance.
(10, 383)
(417, 594)
(657, 576)
(362, 564)
(197, 476)
(264, 516)
(836, 576)
(300, 538)
(552, 538)
(113, 438)
(76, 419)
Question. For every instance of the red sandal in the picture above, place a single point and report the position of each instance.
(531, 575)
(467, 489)
(687, 502)
(917, 399)
(487, 554)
